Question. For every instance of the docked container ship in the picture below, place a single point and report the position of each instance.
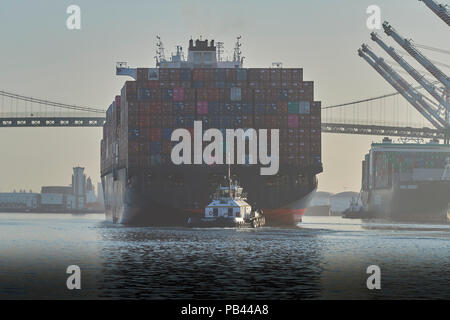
(141, 183)
(406, 182)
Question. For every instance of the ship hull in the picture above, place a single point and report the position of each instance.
(421, 201)
(168, 196)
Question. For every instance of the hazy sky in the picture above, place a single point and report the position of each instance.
(40, 57)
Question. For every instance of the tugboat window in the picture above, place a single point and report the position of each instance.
(215, 212)
(230, 212)
(238, 214)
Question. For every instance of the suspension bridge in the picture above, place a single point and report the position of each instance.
(387, 115)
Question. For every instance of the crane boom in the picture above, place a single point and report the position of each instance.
(439, 9)
(411, 71)
(406, 86)
(406, 44)
(397, 87)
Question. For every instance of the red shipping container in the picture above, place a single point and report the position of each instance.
(259, 121)
(189, 108)
(282, 107)
(174, 74)
(167, 121)
(167, 107)
(155, 107)
(155, 134)
(164, 74)
(178, 94)
(247, 121)
(213, 94)
(293, 94)
(153, 84)
(167, 147)
(260, 95)
(293, 120)
(202, 94)
(133, 107)
(275, 75)
(144, 121)
(230, 74)
(189, 94)
(282, 120)
(155, 94)
(198, 75)
(155, 121)
(224, 94)
(271, 121)
(246, 94)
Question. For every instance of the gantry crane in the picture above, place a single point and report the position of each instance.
(439, 9)
(375, 63)
(413, 73)
(407, 45)
(398, 83)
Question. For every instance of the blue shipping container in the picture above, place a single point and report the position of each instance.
(155, 147)
(167, 94)
(304, 107)
(167, 133)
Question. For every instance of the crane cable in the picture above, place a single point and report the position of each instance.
(431, 48)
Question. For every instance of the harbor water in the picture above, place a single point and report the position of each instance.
(324, 258)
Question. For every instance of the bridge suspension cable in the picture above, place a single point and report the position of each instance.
(49, 103)
(369, 99)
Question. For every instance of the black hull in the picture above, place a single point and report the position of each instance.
(169, 195)
(422, 201)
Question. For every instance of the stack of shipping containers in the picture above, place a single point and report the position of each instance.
(140, 121)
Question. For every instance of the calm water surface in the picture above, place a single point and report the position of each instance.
(324, 258)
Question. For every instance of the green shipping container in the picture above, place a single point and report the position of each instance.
(293, 107)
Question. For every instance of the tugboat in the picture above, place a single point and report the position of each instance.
(229, 209)
(355, 210)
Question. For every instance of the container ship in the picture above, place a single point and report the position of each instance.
(406, 182)
(142, 185)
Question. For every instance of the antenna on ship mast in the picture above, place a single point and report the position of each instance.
(160, 56)
(237, 51)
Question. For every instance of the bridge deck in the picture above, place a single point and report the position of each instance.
(52, 122)
(426, 133)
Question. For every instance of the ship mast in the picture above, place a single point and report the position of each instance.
(237, 52)
(229, 178)
(160, 56)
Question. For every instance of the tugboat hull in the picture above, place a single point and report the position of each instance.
(225, 223)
